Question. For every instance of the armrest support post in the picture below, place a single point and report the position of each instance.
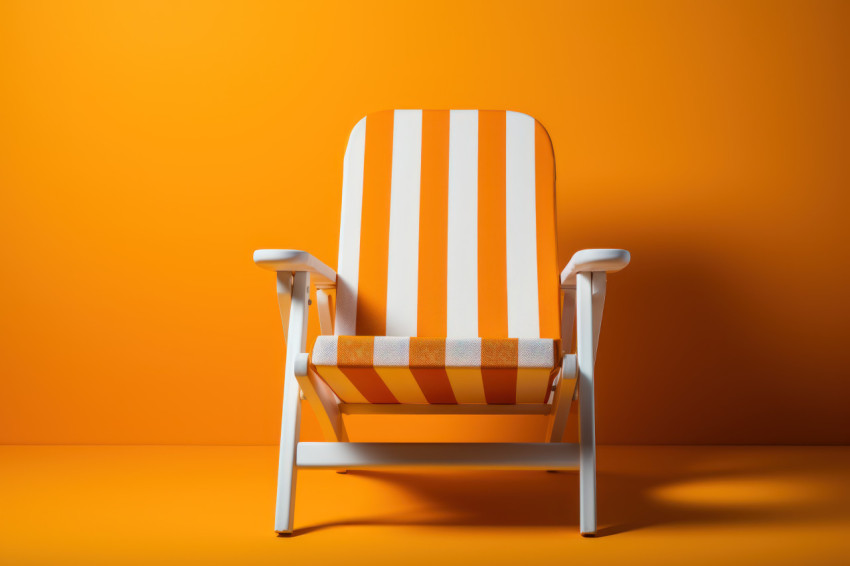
(324, 302)
(568, 319)
(284, 299)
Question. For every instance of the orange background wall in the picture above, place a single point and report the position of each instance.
(146, 148)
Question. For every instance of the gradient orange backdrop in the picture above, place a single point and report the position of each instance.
(146, 148)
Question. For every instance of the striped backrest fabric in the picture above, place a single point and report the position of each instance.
(448, 227)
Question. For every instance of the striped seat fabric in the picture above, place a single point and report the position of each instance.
(447, 281)
(366, 369)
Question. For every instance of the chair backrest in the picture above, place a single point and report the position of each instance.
(448, 227)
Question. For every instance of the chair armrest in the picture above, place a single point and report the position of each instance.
(296, 260)
(609, 260)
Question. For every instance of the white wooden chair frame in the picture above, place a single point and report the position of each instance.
(583, 284)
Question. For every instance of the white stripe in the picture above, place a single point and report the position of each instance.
(324, 351)
(462, 253)
(391, 351)
(465, 352)
(521, 227)
(535, 353)
(349, 232)
(403, 254)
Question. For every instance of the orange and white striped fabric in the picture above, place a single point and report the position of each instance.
(448, 232)
(397, 369)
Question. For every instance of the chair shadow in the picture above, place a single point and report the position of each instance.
(635, 498)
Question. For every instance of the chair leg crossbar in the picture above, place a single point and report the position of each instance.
(476, 455)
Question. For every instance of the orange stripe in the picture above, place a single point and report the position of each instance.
(369, 384)
(499, 369)
(492, 254)
(433, 224)
(375, 226)
(355, 351)
(428, 366)
(355, 358)
(548, 294)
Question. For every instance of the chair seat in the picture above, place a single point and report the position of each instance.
(400, 369)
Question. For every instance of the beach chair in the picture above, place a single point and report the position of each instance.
(447, 299)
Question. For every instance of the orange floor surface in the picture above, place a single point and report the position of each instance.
(214, 505)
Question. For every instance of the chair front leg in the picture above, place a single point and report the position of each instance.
(296, 343)
(589, 314)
